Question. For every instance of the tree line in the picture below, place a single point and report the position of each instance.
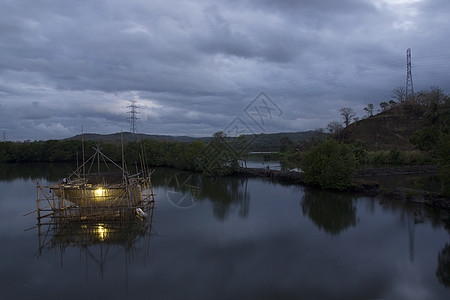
(223, 155)
(157, 153)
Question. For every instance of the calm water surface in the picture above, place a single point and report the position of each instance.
(226, 238)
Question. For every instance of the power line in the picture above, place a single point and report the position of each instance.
(133, 118)
(409, 80)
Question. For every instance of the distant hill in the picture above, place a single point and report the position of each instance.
(128, 136)
(271, 141)
(258, 142)
(388, 130)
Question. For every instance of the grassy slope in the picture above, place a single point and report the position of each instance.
(388, 130)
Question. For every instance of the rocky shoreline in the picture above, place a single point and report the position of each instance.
(365, 184)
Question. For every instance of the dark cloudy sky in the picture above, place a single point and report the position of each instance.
(194, 66)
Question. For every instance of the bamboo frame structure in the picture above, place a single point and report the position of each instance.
(61, 224)
(55, 211)
(82, 211)
(101, 213)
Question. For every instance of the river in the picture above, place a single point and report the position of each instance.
(225, 238)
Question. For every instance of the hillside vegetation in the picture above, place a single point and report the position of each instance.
(388, 130)
(415, 130)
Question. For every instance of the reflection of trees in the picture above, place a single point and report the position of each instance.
(443, 268)
(223, 192)
(331, 212)
(48, 171)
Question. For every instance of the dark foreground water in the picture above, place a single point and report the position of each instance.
(231, 238)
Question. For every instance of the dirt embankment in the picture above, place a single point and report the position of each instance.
(395, 171)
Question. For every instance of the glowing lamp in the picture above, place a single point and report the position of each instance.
(99, 192)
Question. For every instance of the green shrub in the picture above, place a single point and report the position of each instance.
(415, 158)
(443, 153)
(379, 157)
(329, 165)
(395, 157)
(360, 153)
(425, 138)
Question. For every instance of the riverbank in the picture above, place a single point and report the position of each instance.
(365, 182)
(405, 195)
(395, 171)
(298, 177)
(367, 187)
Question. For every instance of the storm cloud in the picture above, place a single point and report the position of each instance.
(193, 66)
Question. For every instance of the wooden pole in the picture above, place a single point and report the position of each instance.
(123, 158)
(78, 166)
(38, 201)
(82, 148)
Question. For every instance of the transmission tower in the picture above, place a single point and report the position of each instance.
(4, 135)
(133, 112)
(409, 81)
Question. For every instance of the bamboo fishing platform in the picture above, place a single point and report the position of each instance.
(100, 208)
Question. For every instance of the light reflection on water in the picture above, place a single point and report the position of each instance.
(241, 238)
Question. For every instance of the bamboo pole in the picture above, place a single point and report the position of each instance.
(82, 148)
(38, 200)
(47, 215)
(123, 158)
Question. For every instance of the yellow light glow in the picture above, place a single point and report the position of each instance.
(99, 192)
(102, 232)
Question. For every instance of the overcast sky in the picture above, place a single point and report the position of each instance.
(196, 67)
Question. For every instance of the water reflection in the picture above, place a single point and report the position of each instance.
(233, 258)
(227, 193)
(332, 212)
(420, 214)
(185, 189)
(67, 234)
(443, 268)
(96, 236)
(48, 171)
